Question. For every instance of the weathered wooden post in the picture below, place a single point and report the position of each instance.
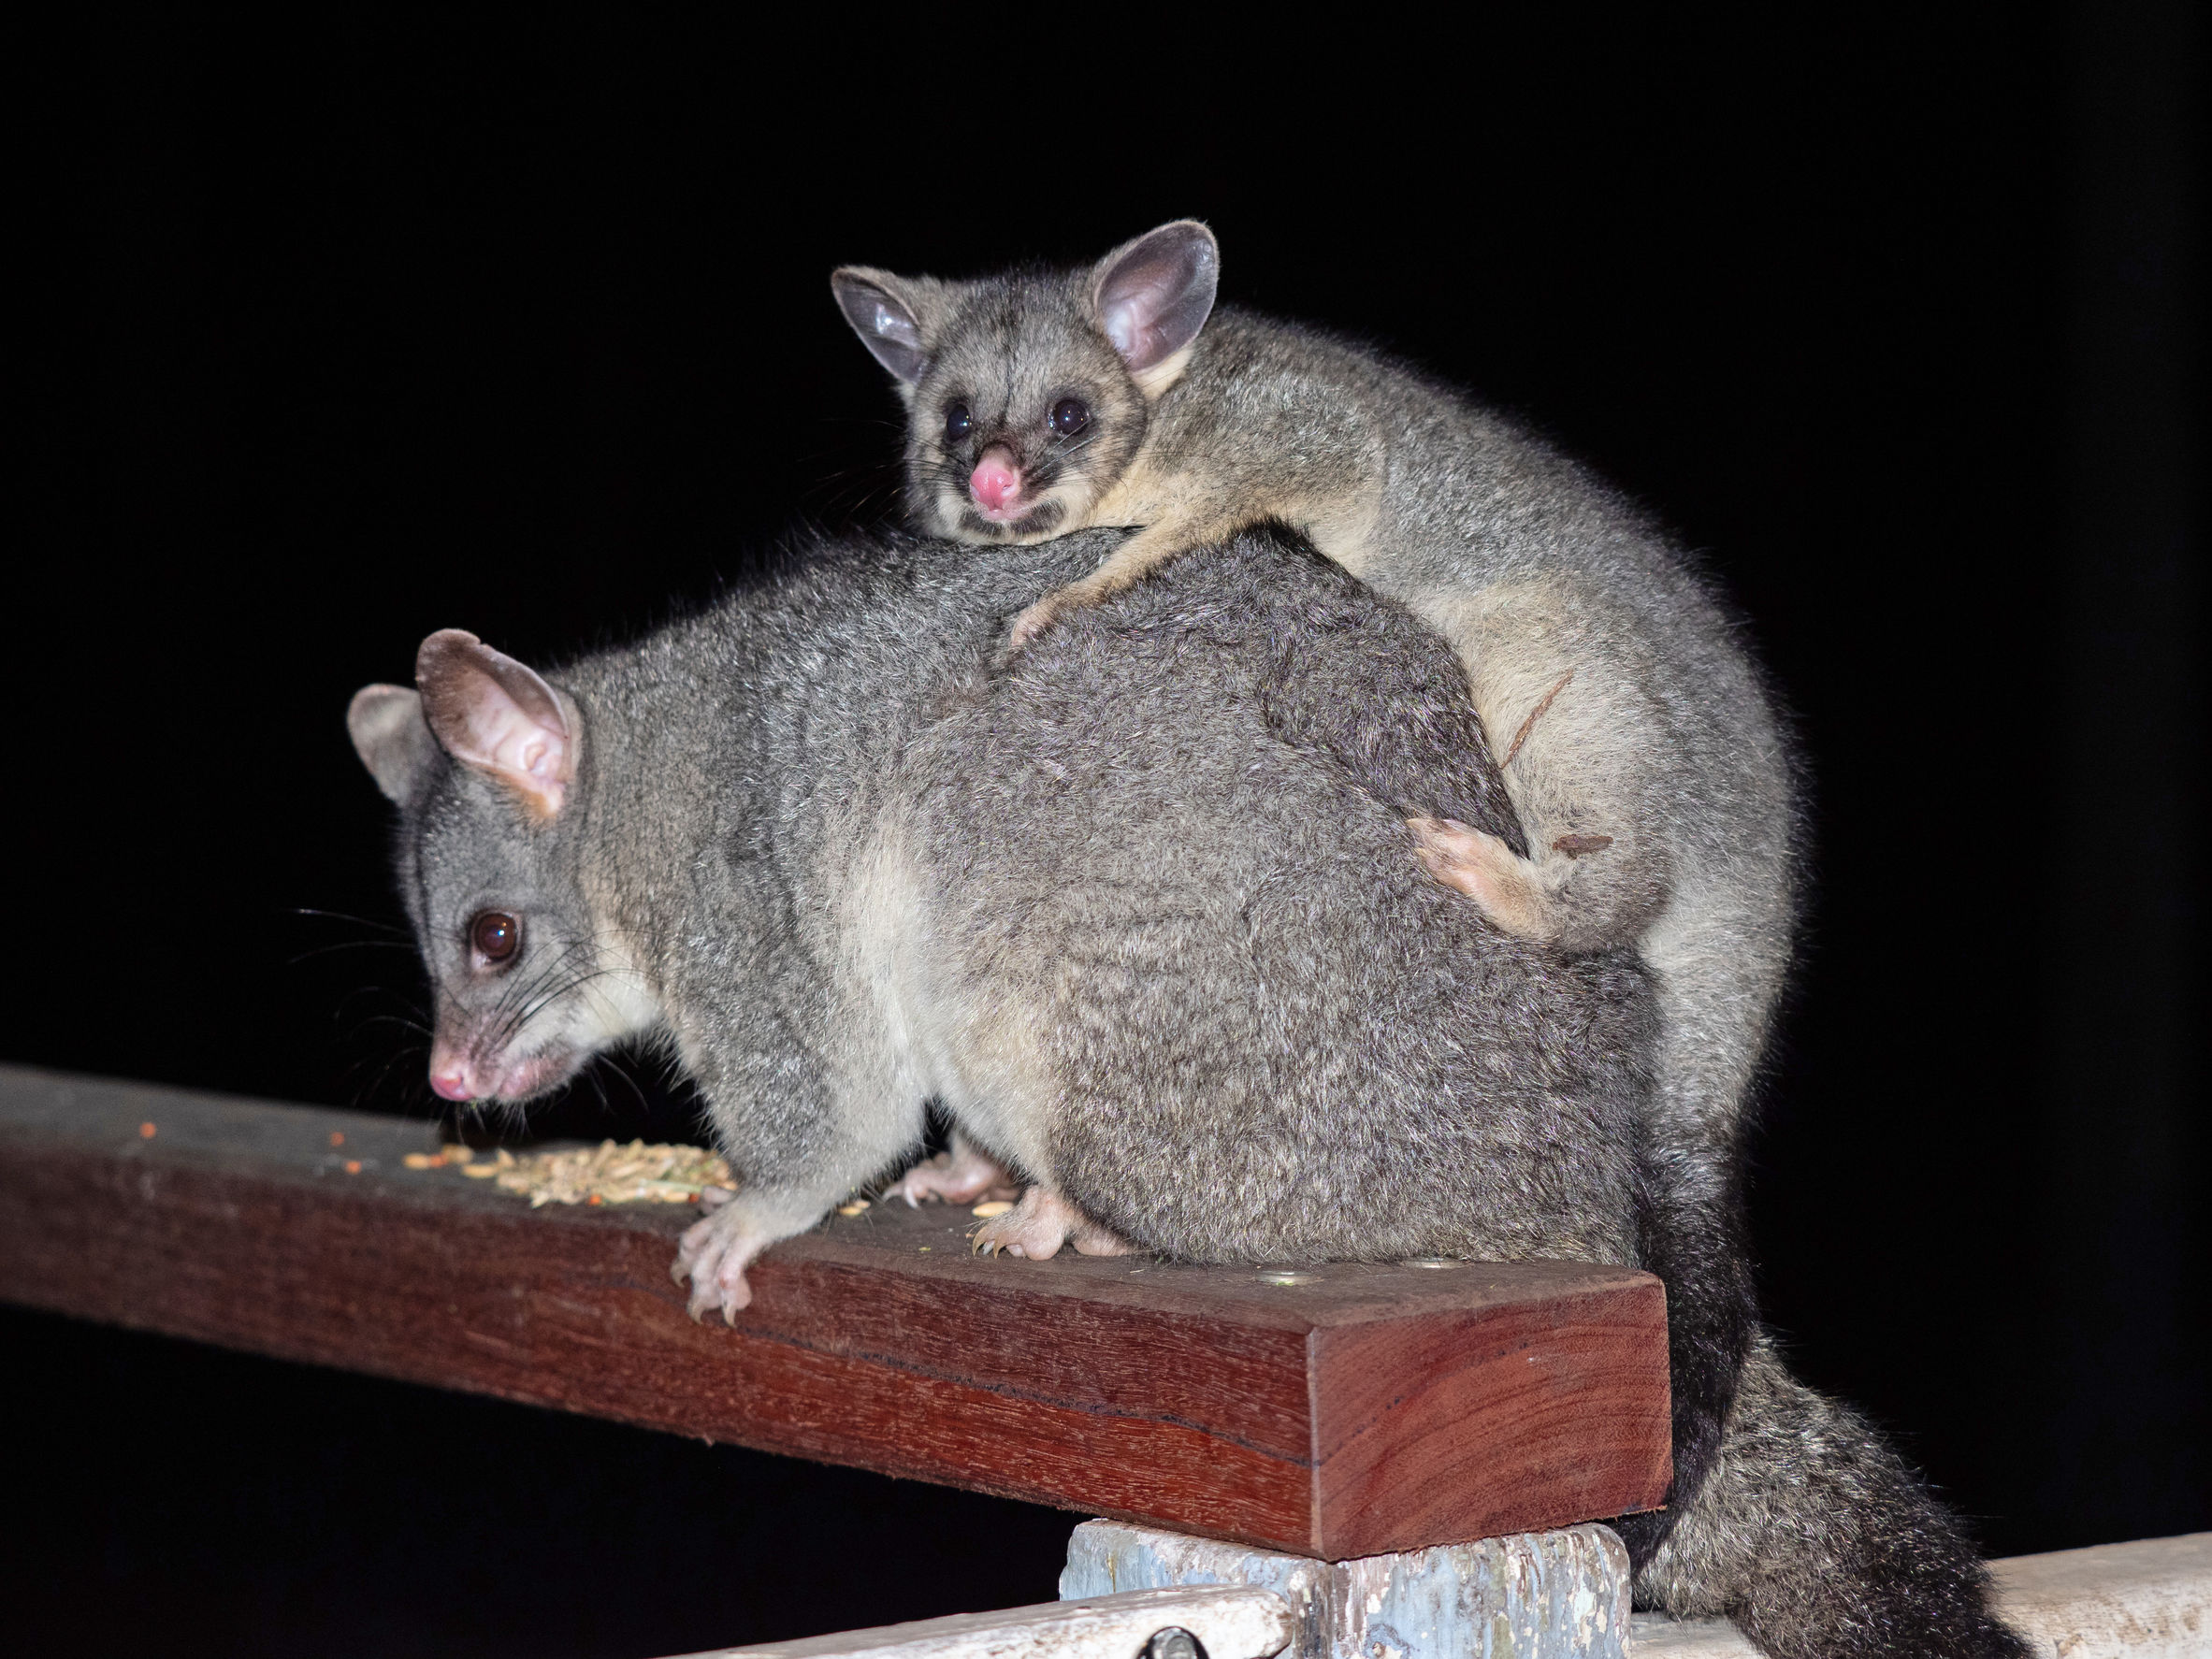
(1561, 1595)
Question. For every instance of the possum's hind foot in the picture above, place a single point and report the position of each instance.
(1520, 896)
(1038, 1226)
(961, 1176)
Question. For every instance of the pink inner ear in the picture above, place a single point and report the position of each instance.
(497, 715)
(507, 740)
(1154, 296)
(1128, 318)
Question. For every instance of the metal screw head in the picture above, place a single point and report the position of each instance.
(1175, 1642)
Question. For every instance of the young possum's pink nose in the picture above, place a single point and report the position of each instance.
(996, 480)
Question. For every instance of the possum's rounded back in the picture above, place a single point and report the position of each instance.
(1168, 847)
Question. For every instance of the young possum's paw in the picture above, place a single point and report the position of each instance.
(715, 1253)
(1034, 621)
(961, 1176)
(1043, 1221)
(1520, 896)
(1093, 588)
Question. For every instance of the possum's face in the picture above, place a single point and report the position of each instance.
(1029, 394)
(1024, 418)
(527, 988)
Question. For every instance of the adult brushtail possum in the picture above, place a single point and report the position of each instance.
(1139, 909)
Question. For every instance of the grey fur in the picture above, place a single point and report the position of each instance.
(1140, 909)
(1153, 882)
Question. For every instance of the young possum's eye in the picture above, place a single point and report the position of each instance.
(1070, 415)
(957, 423)
(495, 934)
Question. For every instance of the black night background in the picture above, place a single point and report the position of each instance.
(333, 333)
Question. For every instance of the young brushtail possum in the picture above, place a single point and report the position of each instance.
(1138, 910)
(1639, 749)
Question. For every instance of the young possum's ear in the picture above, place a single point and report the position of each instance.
(386, 726)
(1151, 297)
(882, 312)
(489, 711)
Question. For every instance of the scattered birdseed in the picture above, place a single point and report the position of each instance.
(145, 1131)
(610, 1173)
(353, 1166)
(337, 1137)
(854, 1208)
(997, 1206)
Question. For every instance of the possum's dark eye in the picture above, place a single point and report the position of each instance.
(1070, 415)
(495, 934)
(957, 423)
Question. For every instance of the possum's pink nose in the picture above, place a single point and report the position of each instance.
(450, 1077)
(996, 480)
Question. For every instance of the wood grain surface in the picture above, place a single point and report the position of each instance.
(1362, 1408)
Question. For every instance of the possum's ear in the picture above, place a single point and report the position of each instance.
(386, 726)
(885, 313)
(489, 711)
(1151, 297)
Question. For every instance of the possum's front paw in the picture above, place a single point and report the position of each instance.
(714, 1255)
(1520, 896)
(1032, 623)
(1043, 1221)
(961, 1176)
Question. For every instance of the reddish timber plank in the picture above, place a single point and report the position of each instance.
(1366, 1408)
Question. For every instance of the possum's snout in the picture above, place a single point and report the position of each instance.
(459, 1074)
(451, 1078)
(996, 483)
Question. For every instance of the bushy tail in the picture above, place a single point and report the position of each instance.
(1813, 1535)
(1789, 1513)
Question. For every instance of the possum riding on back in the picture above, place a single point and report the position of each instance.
(1638, 747)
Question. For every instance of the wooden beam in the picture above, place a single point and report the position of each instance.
(1353, 1411)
